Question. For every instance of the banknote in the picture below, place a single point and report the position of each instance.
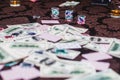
(11, 51)
(40, 57)
(114, 49)
(72, 28)
(44, 45)
(10, 30)
(59, 27)
(63, 68)
(69, 54)
(24, 25)
(18, 50)
(24, 39)
(4, 56)
(69, 45)
(73, 38)
(96, 39)
(65, 28)
(104, 75)
(98, 47)
(22, 29)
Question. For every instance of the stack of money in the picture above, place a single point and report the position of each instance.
(43, 45)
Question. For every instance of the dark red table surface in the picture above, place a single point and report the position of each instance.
(98, 20)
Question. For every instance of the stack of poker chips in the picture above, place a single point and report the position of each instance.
(14, 3)
(55, 12)
(115, 13)
(69, 15)
(81, 19)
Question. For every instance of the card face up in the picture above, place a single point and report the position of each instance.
(98, 65)
(96, 56)
(19, 72)
(50, 22)
(1, 66)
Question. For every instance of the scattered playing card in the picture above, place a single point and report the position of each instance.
(99, 65)
(27, 72)
(50, 37)
(50, 22)
(96, 56)
(19, 72)
(1, 66)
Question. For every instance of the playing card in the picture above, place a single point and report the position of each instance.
(98, 65)
(96, 56)
(1, 66)
(29, 72)
(20, 73)
(50, 37)
(50, 22)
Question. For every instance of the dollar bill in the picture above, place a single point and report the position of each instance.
(96, 39)
(69, 45)
(5, 57)
(65, 28)
(63, 68)
(40, 57)
(44, 45)
(98, 47)
(114, 49)
(69, 54)
(105, 75)
(25, 25)
(15, 50)
(72, 38)
(9, 30)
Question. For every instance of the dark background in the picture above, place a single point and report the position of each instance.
(98, 20)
